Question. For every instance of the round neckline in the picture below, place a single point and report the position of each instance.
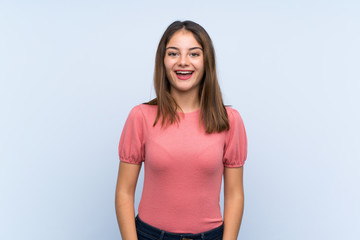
(181, 113)
(192, 112)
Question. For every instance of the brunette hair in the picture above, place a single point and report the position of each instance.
(212, 109)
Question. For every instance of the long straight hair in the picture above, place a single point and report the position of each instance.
(212, 110)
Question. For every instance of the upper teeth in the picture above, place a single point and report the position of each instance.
(183, 72)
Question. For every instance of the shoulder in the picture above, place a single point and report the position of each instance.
(143, 109)
(147, 107)
(233, 114)
(135, 112)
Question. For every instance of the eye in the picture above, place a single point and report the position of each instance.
(194, 54)
(172, 54)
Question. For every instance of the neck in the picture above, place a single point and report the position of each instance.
(188, 101)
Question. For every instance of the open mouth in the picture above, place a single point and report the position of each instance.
(184, 75)
(184, 72)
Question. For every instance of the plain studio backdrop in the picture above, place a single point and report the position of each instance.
(71, 71)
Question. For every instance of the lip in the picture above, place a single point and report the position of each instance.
(184, 77)
(183, 70)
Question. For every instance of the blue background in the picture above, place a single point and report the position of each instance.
(71, 71)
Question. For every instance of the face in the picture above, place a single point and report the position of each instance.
(184, 63)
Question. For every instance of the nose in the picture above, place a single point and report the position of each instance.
(183, 60)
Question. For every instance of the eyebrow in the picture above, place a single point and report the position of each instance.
(189, 48)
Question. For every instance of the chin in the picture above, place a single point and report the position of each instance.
(183, 89)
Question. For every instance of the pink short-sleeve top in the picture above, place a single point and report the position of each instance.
(183, 167)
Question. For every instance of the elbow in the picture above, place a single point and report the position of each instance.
(235, 196)
(123, 199)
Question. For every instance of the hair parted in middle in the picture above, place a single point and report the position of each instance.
(212, 110)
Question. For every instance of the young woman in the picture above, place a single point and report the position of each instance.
(187, 140)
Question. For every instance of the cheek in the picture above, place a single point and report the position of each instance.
(168, 70)
(201, 72)
(200, 64)
(168, 65)
(200, 67)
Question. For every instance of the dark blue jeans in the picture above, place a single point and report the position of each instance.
(147, 232)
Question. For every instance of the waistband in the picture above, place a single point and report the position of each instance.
(147, 229)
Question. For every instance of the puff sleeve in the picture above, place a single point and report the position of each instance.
(131, 146)
(235, 150)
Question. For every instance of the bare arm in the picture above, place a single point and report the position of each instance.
(124, 199)
(233, 202)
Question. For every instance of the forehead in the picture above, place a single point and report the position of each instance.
(183, 39)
